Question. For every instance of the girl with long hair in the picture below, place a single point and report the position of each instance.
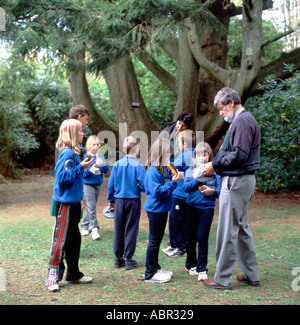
(159, 188)
(68, 196)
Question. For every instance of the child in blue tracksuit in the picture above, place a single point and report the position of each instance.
(124, 189)
(92, 180)
(159, 188)
(178, 219)
(200, 210)
(68, 195)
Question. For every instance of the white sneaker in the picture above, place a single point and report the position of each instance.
(169, 249)
(84, 232)
(95, 234)
(202, 276)
(159, 277)
(175, 252)
(170, 273)
(53, 288)
(192, 271)
(84, 279)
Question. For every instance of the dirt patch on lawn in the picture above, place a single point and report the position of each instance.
(31, 189)
(261, 198)
(37, 188)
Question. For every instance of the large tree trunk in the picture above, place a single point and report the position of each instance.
(127, 103)
(126, 98)
(215, 47)
(251, 47)
(209, 47)
(187, 77)
(81, 95)
(210, 50)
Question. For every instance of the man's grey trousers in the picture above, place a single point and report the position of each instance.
(234, 238)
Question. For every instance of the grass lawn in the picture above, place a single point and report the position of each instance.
(25, 238)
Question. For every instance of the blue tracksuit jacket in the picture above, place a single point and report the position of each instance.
(182, 163)
(195, 197)
(68, 185)
(92, 179)
(126, 180)
(158, 190)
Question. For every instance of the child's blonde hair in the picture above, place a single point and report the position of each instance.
(89, 141)
(68, 136)
(203, 148)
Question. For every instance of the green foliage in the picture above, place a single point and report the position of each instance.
(277, 112)
(48, 100)
(134, 25)
(15, 140)
(32, 106)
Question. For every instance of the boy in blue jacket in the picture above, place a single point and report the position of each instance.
(124, 189)
(200, 210)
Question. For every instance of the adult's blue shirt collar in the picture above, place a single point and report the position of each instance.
(237, 113)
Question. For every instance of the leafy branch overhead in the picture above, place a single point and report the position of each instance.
(190, 48)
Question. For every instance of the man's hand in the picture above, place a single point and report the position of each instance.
(208, 169)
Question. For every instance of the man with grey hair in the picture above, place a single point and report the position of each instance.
(236, 162)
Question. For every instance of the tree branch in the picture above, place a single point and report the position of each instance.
(171, 47)
(235, 11)
(276, 68)
(277, 37)
(215, 70)
(163, 75)
(81, 95)
(251, 46)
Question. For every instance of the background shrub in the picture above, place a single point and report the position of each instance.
(277, 112)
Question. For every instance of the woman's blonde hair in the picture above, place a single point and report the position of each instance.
(90, 140)
(68, 136)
